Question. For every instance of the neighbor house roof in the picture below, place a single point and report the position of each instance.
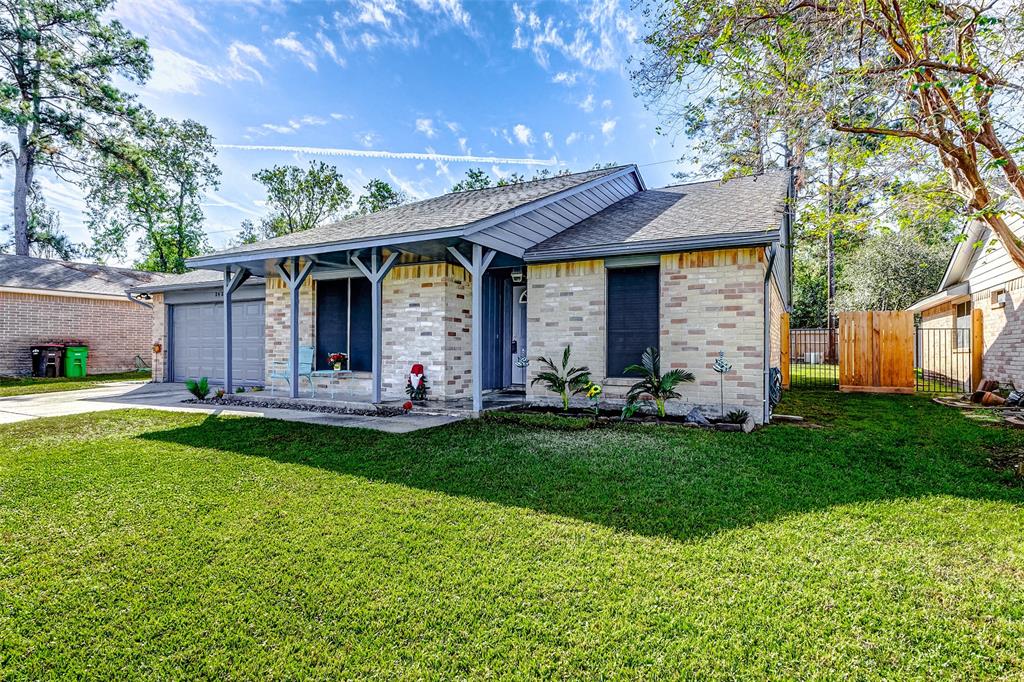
(745, 210)
(54, 276)
(443, 216)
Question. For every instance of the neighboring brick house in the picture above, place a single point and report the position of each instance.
(45, 300)
(470, 284)
(981, 296)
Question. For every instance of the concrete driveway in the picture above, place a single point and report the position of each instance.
(136, 395)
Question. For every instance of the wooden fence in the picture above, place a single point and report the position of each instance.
(876, 351)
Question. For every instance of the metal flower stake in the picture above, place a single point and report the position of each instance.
(522, 362)
(722, 367)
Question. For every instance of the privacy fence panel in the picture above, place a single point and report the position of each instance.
(876, 351)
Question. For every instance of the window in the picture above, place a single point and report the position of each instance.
(632, 316)
(343, 322)
(963, 325)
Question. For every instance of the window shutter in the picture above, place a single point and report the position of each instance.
(361, 341)
(633, 318)
(331, 320)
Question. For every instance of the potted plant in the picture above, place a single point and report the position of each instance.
(566, 381)
(338, 361)
(660, 387)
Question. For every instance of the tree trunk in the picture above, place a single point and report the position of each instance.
(22, 185)
(1009, 240)
(830, 269)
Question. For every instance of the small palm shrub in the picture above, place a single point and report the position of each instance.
(564, 380)
(737, 416)
(660, 387)
(200, 389)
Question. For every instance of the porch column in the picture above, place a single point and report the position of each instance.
(293, 280)
(375, 272)
(231, 284)
(476, 266)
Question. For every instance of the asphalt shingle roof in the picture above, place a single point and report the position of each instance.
(452, 210)
(24, 272)
(703, 209)
(188, 280)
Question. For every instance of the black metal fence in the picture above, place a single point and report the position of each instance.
(942, 360)
(814, 358)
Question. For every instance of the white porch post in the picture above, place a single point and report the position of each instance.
(476, 266)
(294, 281)
(231, 284)
(375, 272)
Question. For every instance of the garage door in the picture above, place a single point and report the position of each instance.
(197, 343)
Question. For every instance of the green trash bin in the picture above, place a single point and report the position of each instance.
(76, 358)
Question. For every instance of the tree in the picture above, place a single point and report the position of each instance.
(302, 199)
(943, 76)
(892, 271)
(379, 195)
(476, 178)
(46, 239)
(59, 60)
(153, 188)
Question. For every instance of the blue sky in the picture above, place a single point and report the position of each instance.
(516, 81)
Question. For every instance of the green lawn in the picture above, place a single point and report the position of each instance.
(164, 545)
(26, 385)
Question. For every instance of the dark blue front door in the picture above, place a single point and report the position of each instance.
(494, 330)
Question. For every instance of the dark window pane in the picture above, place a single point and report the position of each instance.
(331, 320)
(632, 316)
(361, 343)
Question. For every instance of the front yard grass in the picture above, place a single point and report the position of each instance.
(27, 385)
(877, 544)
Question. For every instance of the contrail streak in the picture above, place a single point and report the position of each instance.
(381, 154)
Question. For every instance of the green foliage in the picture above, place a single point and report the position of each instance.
(301, 199)
(60, 104)
(892, 271)
(377, 196)
(564, 380)
(476, 178)
(660, 387)
(153, 188)
(737, 416)
(200, 389)
(46, 239)
(239, 389)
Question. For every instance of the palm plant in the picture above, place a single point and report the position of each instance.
(660, 387)
(566, 381)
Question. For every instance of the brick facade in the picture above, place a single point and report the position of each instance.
(710, 301)
(1003, 330)
(116, 331)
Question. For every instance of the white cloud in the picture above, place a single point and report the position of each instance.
(425, 126)
(606, 104)
(608, 128)
(453, 126)
(565, 77)
(415, 190)
(293, 125)
(549, 139)
(523, 134)
(164, 18)
(600, 37)
(365, 24)
(368, 139)
(327, 45)
(588, 103)
(292, 44)
(572, 137)
(464, 145)
(339, 117)
(218, 200)
(174, 72)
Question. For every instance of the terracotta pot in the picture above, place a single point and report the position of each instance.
(991, 399)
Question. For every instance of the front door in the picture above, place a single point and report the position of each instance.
(518, 334)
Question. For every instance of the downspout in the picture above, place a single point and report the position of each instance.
(766, 415)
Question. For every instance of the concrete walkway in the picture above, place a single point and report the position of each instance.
(131, 394)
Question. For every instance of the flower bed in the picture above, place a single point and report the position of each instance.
(584, 417)
(380, 411)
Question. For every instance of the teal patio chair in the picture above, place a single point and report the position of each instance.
(305, 369)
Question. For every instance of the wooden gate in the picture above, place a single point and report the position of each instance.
(876, 351)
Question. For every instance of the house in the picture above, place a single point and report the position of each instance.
(469, 284)
(46, 300)
(980, 301)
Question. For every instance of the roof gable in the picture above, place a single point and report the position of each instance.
(25, 272)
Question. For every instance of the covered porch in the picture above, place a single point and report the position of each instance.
(455, 306)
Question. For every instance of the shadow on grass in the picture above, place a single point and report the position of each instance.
(659, 481)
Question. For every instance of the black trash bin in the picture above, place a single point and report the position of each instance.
(48, 360)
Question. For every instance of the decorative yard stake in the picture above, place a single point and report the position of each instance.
(522, 362)
(722, 367)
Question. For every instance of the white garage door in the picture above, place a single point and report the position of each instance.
(198, 342)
